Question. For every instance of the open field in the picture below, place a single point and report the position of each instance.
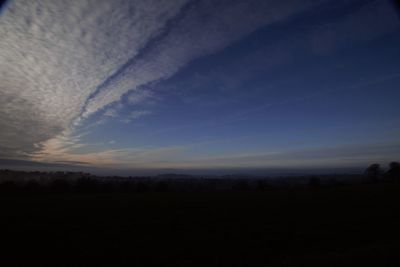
(342, 226)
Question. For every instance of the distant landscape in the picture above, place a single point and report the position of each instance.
(61, 181)
(76, 219)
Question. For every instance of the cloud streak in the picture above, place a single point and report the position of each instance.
(62, 62)
(204, 28)
(54, 54)
(179, 157)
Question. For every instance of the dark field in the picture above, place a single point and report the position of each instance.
(355, 225)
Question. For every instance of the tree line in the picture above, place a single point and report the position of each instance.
(78, 182)
(375, 172)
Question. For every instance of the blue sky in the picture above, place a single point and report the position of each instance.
(190, 85)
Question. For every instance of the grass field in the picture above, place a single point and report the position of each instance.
(344, 226)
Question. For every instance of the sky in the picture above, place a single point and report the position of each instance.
(186, 85)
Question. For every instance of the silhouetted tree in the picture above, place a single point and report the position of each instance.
(393, 173)
(373, 172)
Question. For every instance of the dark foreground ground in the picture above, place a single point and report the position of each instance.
(344, 226)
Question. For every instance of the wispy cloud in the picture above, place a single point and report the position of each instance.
(239, 69)
(204, 28)
(112, 158)
(136, 114)
(138, 97)
(54, 54)
(111, 112)
(63, 61)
